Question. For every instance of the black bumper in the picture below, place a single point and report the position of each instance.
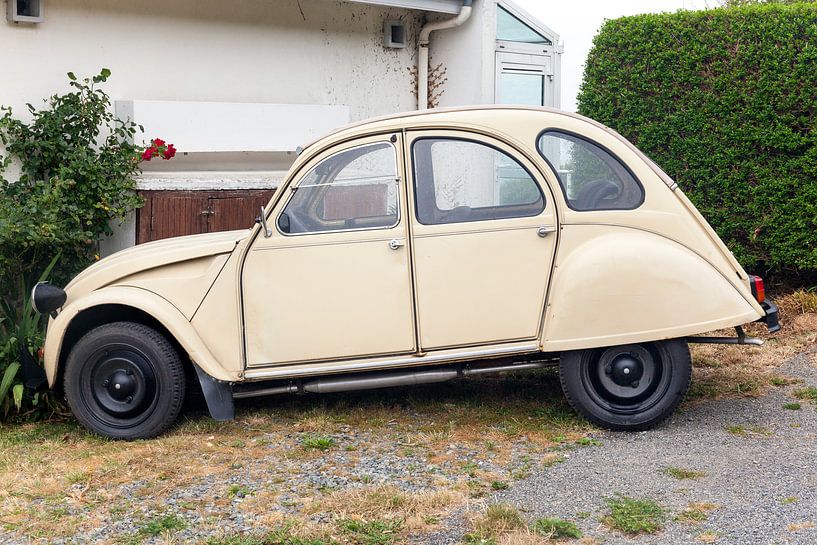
(770, 319)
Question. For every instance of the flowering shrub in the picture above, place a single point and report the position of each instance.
(78, 164)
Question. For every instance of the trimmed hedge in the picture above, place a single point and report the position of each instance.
(725, 100)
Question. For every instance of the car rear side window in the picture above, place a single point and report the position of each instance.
(462, 180)
(590, 176)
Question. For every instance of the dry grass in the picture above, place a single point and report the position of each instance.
(729, 370)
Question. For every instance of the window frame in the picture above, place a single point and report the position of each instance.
(604, 149)
(294, 186)
(414, 180)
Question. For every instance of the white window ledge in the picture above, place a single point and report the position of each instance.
(209, 181)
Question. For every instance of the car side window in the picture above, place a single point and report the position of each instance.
(590, 176)
(462, 180)
(352, 189)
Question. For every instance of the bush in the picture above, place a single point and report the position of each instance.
(78, 163)
(724, 100)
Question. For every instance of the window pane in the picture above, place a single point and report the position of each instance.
(353, 189)
(511, 29)
(591, 178)
(528, 89)
(458, 181)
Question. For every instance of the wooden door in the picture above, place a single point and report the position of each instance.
(177, 213)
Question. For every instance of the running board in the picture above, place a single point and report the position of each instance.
(372, 381)
(740, 339)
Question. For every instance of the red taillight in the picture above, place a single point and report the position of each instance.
(758, 289)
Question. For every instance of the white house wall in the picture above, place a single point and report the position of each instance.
(281, 51)
(468, 55)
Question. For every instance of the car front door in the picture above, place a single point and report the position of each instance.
(484, 233)
(333, 279)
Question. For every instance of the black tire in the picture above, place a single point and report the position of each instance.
(124, 381)
(628, 388)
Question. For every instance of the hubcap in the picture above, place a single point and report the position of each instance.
(120, 386)
(626, 379)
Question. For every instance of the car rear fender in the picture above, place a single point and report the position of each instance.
(616, 285)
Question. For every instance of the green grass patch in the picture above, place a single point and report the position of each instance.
(163, 524)
(556, 528)
(788, 501)
(681, 473)
(792, 406)
(499, 485)
(635, 516)
(317, 442)
(736, 429)
(238, 490)
(279, 536)
(376, 532)
(809, 394)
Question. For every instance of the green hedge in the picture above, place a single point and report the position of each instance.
(725, 100)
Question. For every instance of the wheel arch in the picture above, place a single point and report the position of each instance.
(125, 304)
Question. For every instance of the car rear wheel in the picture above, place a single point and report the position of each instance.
(125, 381)
(629, 387)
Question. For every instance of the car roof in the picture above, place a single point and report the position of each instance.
(493, 116)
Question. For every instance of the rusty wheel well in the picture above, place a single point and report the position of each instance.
(94, 317)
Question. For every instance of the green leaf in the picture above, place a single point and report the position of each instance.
(8, 379)
(17, 392)
(71, 76)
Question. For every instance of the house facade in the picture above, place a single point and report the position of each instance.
(238, 87)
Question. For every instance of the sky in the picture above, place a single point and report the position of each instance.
(577, 22)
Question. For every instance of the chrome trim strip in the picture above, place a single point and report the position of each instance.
(329, 368)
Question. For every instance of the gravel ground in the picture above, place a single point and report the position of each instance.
(764, 480)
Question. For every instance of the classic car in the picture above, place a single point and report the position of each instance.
(414, 249)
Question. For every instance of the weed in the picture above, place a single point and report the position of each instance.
(708, 537)
(696, 512)
(238, 490)
(681, 473)
(377, 532)
(317, 442)
(780, 381)
(635, 516)
(809, 394)
(787, 501)
(588, 442)
(160, 525)
(736, 430)
(499, 485)
(280, 536)
(76, 477)
(792, 406)
(498, 519)
(556, 528)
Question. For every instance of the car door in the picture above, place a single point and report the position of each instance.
(484, 232)
(333, 280)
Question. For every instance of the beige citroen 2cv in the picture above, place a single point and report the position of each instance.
(415, 249)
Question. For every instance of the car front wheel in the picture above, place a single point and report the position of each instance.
(124, 381)
(630, 387)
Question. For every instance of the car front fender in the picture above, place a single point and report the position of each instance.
(142, 300)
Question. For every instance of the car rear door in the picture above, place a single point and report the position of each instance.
(484, 232)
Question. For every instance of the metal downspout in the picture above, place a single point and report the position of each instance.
(422, 56)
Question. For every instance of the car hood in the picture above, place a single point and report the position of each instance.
(149, 256)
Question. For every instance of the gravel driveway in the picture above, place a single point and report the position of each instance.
(761, 474)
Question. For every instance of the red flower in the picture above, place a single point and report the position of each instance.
(149, 153)
(158, 142)
(170, 152)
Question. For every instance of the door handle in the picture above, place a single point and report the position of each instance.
(395, 244)
(546, 230)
